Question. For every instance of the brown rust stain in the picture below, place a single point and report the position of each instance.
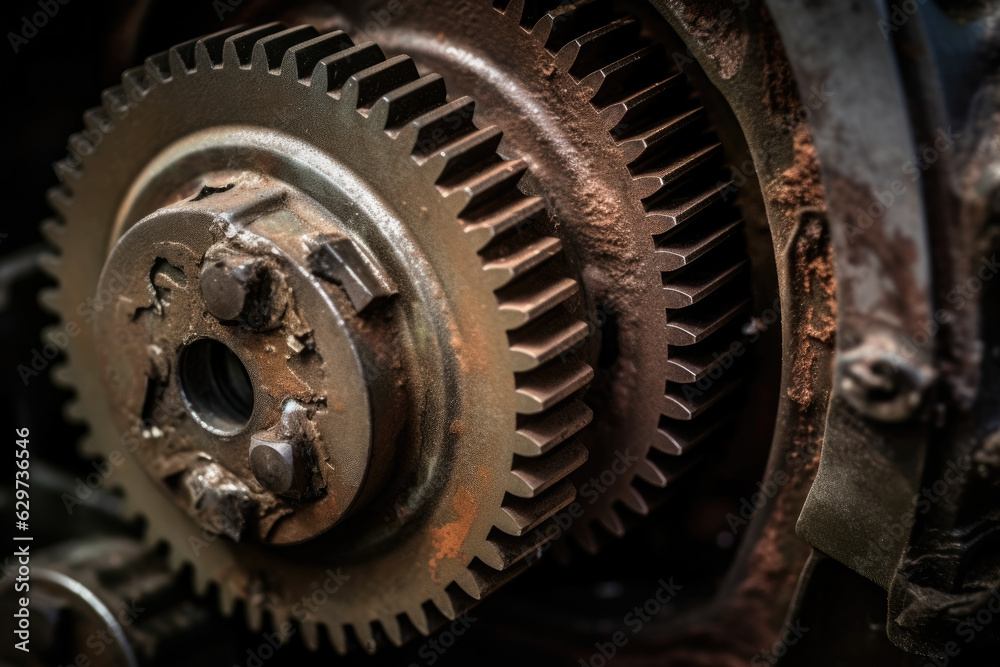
(799, 192)
(449, 538)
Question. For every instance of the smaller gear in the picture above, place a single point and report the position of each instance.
(113, 603)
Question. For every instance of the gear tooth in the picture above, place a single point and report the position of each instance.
(238, 49)
(364, 632)
(301, 59)
(97, 120)
(584, 535)
(687, 365)
(501, 551)
(659, 178)
(690, 285)
(526, 12)
(470, 192)
(158, 67)
(640, 146)
(115, 102)
(74, 410)
(467, 582)
(644, 103)
(431, 130)
(269, 51)
(633, 499)
(332, 72)
(518, 516)
(531, 476)
(525, 301)
(538, 434)
(398, 107)
(68, 169)
(336, 634)
(50, 298)
(458, 157)
(451, 602)
(669, 213)
(418, 618)
(208, 50)
(612, 522)
(508, 268)
(90, 447)
(569, 21)
(487, 579)
(543, 388)
(535, 344)
(254, 615)
(598, 48)
(677, 404)
(62, 376)
(80, 145)
(310, 636)
(676, 251)
(638, 70)
(227, 600)
(391, 628)
(55, 233)
(508, 214)
(365, 87)
(136, 83)
(676, 438)
(181, 58)
(651, 473)
(60, 199)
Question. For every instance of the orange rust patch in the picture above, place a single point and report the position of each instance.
(457, 427)
(449, 538)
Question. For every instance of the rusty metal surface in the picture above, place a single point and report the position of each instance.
(618, 129)
(863, 141)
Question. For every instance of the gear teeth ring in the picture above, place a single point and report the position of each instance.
(411, 118)
(661, 136)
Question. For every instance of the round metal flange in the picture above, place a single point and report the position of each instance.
(245, 404)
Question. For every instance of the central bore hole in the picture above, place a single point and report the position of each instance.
(216, 386)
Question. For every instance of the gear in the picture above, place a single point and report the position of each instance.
(622, 154)
(110, 602)
(327, 327)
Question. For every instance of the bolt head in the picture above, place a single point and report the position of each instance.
(880, 383)
(273, 464)
(238, 287)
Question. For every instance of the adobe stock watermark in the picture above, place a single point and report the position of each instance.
(59, 339)
(590, 491)
(790, 637)
(435, 647)
(943, 142)
(900, 527)
(303, 610)
(634, 621)
(32, 23)
(967, 629)
(898, 14)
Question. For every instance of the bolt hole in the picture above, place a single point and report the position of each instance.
(216, 386)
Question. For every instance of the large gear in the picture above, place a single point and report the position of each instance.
(361, 147)
(645, 213)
